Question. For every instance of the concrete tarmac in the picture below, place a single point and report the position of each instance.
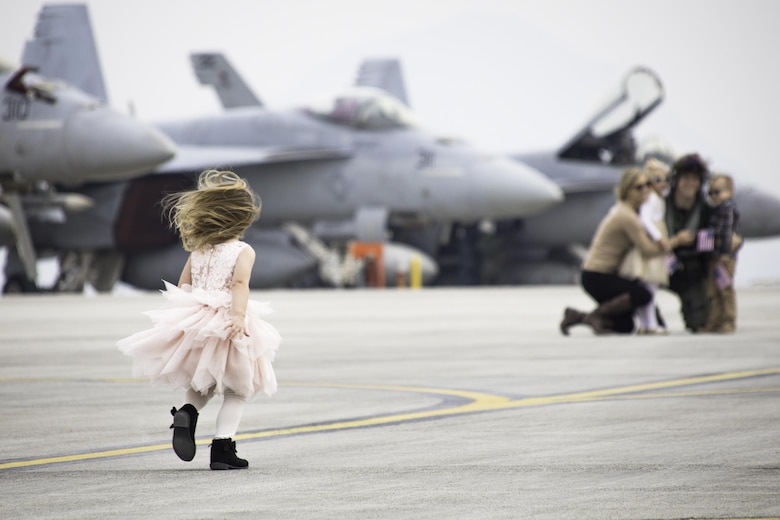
(432, 404)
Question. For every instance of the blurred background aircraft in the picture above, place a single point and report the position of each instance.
(519, 73)
(549, 247)
(53, 137)
(354, 166)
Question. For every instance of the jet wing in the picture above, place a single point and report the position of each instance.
(198, 158)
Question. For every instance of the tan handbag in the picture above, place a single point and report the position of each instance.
(633, 265)
(656, 271)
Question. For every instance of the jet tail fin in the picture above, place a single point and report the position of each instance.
(607, 137)
(385, 74)
(63, 47)
(214, 69)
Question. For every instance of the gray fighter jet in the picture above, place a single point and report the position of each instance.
(548, 247)
(355, 165)
(54, 136)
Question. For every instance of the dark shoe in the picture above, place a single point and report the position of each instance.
(617, 305)
(223, 455)
(571, 317)
(600, 320)
(184, 422)
(597, 323)
(659, 318)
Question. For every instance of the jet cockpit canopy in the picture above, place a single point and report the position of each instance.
(30, 85)
(608, 137)
(364, 108)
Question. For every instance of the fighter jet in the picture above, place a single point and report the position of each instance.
(548, 247)
(54, 136)
(355, 165)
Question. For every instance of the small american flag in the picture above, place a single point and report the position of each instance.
(705, 240)
(722, 277)
(671, 263)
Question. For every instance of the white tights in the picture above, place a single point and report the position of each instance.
(647, 318)
(229, 415)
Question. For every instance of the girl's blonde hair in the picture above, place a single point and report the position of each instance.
(627, 181)
(221, 208)
(656, 168)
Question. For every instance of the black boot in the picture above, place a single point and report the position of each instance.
(571, 317)
(184, 422)
(599, 318)
(223, 455)
(659, 318)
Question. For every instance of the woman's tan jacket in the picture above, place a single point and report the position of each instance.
(619, 231)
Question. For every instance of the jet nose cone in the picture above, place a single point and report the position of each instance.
(106, 145)
(759, 213)
(508, 189)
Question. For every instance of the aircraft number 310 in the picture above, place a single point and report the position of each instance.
(14, 108)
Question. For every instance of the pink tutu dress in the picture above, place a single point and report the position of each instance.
(188, 344)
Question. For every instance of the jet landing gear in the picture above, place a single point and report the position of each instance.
(74, 269)
(72, 272)
(19, 284)
(16, 279)
(101, 269)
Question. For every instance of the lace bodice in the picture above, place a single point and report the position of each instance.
(212, 267)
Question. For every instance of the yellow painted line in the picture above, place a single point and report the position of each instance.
(609, 392)
(478, 402)
(701, 393)
(84, 456)
(477, 397)
(465, 394)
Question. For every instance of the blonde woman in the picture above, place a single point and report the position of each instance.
(620, 231)
(210, 339)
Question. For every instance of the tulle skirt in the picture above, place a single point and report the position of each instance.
(188, 346)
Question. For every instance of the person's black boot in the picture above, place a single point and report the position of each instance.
(571, 317)
(659, 318)
(223, 455)
(184, 421)
(599, 319)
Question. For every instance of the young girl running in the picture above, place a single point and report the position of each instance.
(210, 339)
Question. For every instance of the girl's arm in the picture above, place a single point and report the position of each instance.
(645, 244)
(647, 216)
(186, 274)
(240, 290)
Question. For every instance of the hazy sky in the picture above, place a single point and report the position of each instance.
(505, 75)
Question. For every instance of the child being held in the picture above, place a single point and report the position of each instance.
(720, 286)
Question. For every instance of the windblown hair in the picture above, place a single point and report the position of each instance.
(221, 208)
(627, 181)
